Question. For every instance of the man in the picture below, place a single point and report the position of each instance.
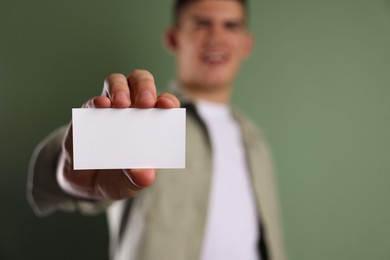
(224, 204)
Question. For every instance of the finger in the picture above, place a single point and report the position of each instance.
(120, 184)
(114, 185)
(167, 100)
(98, 102)
(141, 178)
(117, 89)
(100, 184)
(68, 144)
(102, 102)
(143, 89)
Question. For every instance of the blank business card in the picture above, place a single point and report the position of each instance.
(128, 138)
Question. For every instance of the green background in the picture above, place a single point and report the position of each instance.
(318, 83)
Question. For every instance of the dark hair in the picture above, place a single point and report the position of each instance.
(181, 4)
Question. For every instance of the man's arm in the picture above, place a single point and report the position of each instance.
(43, 192)
(52, 166)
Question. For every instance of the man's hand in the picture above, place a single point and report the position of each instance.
(138, 91)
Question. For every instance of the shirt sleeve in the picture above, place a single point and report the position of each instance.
(43, 191)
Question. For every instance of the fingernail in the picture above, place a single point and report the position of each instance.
(167, 102)
(146, 95)
(121, 95)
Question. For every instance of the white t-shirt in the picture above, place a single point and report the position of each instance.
(232, 222)
(232, 229)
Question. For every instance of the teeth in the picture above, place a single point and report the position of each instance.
(214, 57)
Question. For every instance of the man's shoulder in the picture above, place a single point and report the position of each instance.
(248, 125)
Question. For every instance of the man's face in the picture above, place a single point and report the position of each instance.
(210, 43)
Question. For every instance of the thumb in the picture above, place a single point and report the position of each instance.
(141, 178)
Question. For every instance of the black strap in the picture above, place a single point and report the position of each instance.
(262, 245)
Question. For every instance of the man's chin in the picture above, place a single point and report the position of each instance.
(212, 85)
(209, 84)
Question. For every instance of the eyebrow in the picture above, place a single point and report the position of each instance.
(239, 21)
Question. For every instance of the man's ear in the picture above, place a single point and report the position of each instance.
(170, 39)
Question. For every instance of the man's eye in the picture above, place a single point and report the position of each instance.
(201, 24)
(233, 26)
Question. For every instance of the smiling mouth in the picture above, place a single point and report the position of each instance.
(214, 58)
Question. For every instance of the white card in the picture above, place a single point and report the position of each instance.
(128, 138)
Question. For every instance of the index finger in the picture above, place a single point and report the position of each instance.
(117, 89)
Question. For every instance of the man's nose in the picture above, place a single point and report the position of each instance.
(216, 35)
